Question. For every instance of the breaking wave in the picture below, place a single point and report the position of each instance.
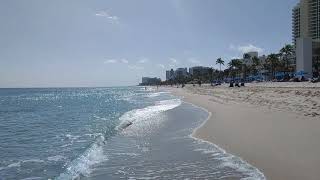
(137, 115)
(94, 154)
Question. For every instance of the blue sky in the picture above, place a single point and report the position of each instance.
(115, 42)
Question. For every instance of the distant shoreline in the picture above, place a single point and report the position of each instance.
(280, 143)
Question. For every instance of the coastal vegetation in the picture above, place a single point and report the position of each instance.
(278, 66)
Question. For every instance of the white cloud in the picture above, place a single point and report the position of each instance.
(110, 61)
(173, 62)
(113, 61)
(105, 14)
(194, 61)
(124, 61)
(250, 47)
(143, 60)
(235, 57)
(161, 66)
(246, 48)
(135, 67)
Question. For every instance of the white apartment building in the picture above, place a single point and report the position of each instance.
(170, 75)
(181, 72)
(198, 70)
(306, 34)
(247, 57)
(150, 81)
(178, 73)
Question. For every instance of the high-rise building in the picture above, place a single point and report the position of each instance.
(170, 75)
(198, 71)
(306, 35)
(181, 73)
(306, 19)
(146, 81)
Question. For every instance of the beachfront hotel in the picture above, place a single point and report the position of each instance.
(181, 73)
(306, 34)
(178, 73)
(248, 58)
(150, 81)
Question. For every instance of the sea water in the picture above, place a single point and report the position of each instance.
(108, 133)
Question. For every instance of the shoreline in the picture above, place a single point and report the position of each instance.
(280, 144)
(194, 136)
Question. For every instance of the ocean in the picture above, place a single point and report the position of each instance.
(108, 133)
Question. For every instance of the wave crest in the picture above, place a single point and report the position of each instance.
(136, 115)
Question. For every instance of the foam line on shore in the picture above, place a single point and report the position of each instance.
(232, 159)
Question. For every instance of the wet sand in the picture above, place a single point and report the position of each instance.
(275, 137)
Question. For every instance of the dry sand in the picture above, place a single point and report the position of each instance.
(274, 127)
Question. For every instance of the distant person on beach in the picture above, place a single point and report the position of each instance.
(199, 82)
(231, 84)
(242, 82)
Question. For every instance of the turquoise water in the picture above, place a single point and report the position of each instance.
(107, 133)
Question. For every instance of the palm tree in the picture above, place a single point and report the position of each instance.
(220, 62)
(255, 65)
(210, 73)
(286, 52)
(273, 61)
(246, 56)
(245, 70)
(235, 65)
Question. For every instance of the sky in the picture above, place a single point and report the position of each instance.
(80, 43)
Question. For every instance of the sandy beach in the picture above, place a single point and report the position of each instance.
(273, 126)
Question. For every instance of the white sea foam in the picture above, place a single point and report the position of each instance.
(229, 160)
(137, 115)
(98, 117)
(82, 165)
(56, 158)
(33, 178)
(72, 137)
(33, 161)
(156, 94)
(16, 164)
(151, 95)
(126, 154)
(66, 145)
(94, 135)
